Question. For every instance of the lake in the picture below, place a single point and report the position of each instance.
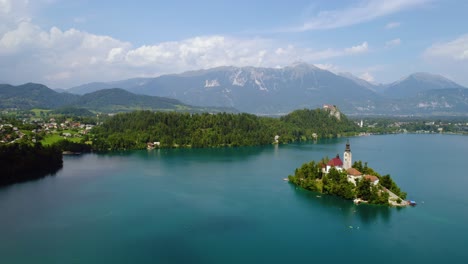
(232, 206)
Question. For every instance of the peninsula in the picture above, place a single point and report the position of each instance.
(352, 181)
(145, 129)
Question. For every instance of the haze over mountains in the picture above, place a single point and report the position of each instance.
(281, 90)
(32, 95)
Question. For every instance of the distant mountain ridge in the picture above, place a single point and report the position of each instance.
(281, 90)
(418, 82)
(32, 95)
(254, 90)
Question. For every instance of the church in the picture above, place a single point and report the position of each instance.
(346, 165)
(337, 163)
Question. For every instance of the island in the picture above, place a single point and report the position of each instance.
(352, 181)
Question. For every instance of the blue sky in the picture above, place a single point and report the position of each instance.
(63, 43)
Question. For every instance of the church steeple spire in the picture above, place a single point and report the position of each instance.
(347, 157)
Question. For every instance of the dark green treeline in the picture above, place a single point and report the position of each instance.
(133, 130)
(22, 162)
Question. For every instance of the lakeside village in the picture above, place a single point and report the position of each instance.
(37, 130)
(37, 125)
(356, 182)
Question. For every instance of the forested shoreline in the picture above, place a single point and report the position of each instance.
(172, 129)
(23, 162)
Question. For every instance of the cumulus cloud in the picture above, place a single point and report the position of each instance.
(12, 12)
(456, 50)
(71, 57)
(392, 25)
(364, 11)
(63, 58)
(393, 43)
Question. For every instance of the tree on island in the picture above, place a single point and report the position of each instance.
(387, 182)
(363, 189)
(310, 176)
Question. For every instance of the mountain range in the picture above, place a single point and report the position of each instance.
(32, 95)
(275, 91)
(269, 91)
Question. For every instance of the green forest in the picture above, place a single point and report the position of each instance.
(173, 129)
(310, 177)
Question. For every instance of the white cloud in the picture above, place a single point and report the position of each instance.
(449, 59)
(115, 54)
(392, 25)
(5, 6)
(66, 58)
(213, 51)
(456, 50)
(363, 12)
(393, 43)
(63, 58)
(367, 77)
(12, 12)
(357, 49)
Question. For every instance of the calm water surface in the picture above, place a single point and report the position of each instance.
(232, 206)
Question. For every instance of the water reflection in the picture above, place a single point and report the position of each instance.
(367, 214)
(37, 176)
(227, 154)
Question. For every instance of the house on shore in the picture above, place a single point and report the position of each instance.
(153, 145)
(353, 175)
(373, 179)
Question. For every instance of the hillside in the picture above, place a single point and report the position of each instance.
(442, 101)
(31, 95)
(96, 86)
(171, 129)
(117, 100)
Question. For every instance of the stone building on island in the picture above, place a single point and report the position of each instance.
(346, 165)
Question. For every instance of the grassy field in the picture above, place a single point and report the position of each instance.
(37, 111)
(51, 139)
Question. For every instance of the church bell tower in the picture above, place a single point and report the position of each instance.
(347, 162)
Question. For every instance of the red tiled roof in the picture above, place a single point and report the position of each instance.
(335, 162)
(353, 172)
(371, 178)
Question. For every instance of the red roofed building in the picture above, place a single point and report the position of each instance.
(334, 163)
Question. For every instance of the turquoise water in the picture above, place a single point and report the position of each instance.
(232, 206)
